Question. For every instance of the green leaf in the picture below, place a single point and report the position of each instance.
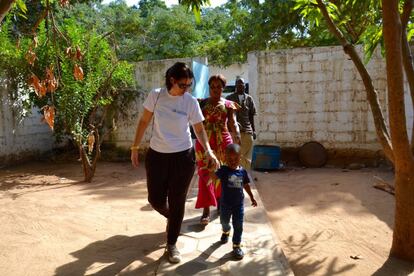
(197, 15)
(21, 5)
(371, 38)
(410, 31)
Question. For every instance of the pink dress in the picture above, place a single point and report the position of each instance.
(219, 137)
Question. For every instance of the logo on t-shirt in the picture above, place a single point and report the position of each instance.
(235, 181)
(180, 112)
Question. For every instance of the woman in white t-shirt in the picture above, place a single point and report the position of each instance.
(170, 160)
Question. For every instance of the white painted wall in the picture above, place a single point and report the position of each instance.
(19, 140)
(316, 94)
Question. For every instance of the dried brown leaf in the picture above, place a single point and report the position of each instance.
(30, 56)
(37, 85)
(64, 3)
(43, 88)
(79, 54)
(51, 79)
(35, 41)
(91, 141)
(78, 72)
(68, 51)
(49, 115)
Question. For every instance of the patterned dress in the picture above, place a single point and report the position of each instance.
(215, 124)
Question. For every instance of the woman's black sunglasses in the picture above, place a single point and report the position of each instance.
(184, 86)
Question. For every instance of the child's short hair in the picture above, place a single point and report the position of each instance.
(233, 148)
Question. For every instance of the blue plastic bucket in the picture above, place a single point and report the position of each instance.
(266, 157)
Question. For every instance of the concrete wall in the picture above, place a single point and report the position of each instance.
(302, 95)
(231, 72)
(308, 94)
(21, 140)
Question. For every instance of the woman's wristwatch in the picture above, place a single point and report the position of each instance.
(133, 147)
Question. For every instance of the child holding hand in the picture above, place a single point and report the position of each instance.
(234, 179)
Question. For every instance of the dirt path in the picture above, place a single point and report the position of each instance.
(324, 216)
(53, 224)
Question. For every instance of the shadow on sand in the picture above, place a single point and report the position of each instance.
(395, 267)
(115, 254)
(200, 263)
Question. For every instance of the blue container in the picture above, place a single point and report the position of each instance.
(266, 157)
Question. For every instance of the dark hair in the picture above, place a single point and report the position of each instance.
(233, 148)
(178, 71)
(219, 77)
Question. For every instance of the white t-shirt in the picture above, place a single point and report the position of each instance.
(172, 115)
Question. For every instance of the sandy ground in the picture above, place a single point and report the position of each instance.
(332, 221)
(53, 224)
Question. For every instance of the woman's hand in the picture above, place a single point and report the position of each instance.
(139, 133)
(134, 158)
(254, 203)
(237, 139)
(212, 160)
(234, 127)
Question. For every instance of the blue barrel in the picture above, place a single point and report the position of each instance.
(265, 157)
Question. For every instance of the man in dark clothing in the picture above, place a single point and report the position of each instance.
(245, 118)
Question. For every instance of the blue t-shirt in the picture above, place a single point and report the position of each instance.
(232, 182)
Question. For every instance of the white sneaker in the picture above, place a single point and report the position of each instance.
(173, 254)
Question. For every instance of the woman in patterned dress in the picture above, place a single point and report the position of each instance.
(220, 124)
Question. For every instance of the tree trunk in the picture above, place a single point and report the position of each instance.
(88, 169)
(395, 82)
(5, 6)
(403, 236)
(403, 239)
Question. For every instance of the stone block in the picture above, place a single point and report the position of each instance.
(267, 136)
(344, 137)
(294, 67)
(321, 56)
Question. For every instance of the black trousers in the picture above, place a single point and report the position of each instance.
(168, 178)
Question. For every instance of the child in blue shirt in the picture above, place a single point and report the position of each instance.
(233, 180)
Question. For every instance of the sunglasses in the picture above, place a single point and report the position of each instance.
(184, 86)
(216, 87)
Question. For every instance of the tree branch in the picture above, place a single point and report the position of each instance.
(98, 149)
(5, 6)
(372, 95)
(45, 12)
